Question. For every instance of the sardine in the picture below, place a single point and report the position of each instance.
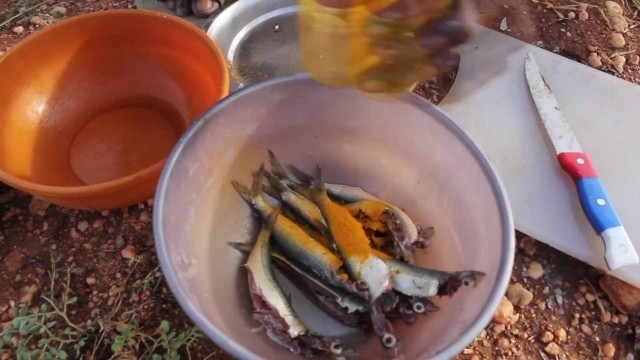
(273, 310)
(404, 230)
(303, 206)
(352, 242)
(295, 243)
(417, 281)
(344, 307)
(363, 266)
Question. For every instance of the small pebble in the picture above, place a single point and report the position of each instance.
(546, 337)
(467, 351)
(475, 357)
(74, 233)
(119, 242)
(503, 343)
(503, 24)
(591, 48)
(83, 225)
(35, 20)
(560, 335)
(586, 329)
(15, 260)
(618, 62)
(553, 349)
(623, 318)
(535, 270)
(518, 295)
(605, 316)
(58, 11)
(18, 29)
(91, 281)
(614, 319)
(498, 329)
(571, 15)
(541, 305)
(616, 40)
(594, 60)
(583, 289)
(590, 297)
(504, 314)
(613, 7)
(618, 23)
(608, 350)
(580, 300)
(629, 357)
(635, 60)
(583, 15)
(129, 252)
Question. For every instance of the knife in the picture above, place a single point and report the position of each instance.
(619, 251)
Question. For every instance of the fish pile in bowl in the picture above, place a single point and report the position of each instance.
(347, 250)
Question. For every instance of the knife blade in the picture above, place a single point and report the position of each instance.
(619, 250)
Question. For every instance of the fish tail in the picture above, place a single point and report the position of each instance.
(276, 166)
(302, 176)
(257, 186)
(274, 181)
(243, 191)
(243, 248)
(317, 190)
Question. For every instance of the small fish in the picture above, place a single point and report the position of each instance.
(344, 307)
(416, 281)
(352, 242)
(303, 206)
(272, 308)
(295, 243)
(404, 230)
(370, 272)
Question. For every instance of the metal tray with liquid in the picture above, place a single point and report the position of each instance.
(259, 39)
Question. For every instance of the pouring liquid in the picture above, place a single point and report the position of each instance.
(365, 44)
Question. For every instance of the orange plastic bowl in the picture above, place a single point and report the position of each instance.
(91, 106)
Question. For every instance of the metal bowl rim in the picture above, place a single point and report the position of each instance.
(236, 350)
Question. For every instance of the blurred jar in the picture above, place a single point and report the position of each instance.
(368, 44)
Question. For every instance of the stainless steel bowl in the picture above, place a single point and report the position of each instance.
(259, 39)
(406, 151)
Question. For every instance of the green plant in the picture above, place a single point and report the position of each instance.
(47, 327)
(163, 344)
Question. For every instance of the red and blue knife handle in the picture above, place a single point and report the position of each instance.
(593, 197)
(595, 203)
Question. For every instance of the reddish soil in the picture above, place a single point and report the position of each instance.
(113, 290)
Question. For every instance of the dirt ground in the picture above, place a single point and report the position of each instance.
(94, 276)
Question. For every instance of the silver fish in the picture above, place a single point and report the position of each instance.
(344, 307)
(421, 282)
(295, 243)
(273, 310)
(404, 230)
(303, 206)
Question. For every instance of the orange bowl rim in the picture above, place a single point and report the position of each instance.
(78, 191)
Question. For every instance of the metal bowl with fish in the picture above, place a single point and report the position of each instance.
(345, 154)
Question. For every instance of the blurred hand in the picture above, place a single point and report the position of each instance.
(448, 24)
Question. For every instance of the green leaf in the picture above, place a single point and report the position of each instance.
(6, 336)
(118, 344)
(51, 324)
(17, 322)
(22, 354)
(43, 308)
(156, 357)
(62, 354)
(126, 331)
(164, 326)
(73, 300)
(67, 331)
(24, 311)
(42, 330)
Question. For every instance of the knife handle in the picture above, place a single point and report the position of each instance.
(597, 207)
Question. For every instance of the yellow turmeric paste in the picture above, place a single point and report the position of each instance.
(346, 230)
